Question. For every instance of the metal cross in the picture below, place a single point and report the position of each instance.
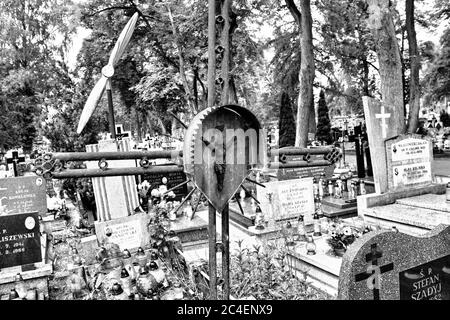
(373, 272)
(383, 116)
(15, 160)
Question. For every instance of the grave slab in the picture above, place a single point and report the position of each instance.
(190, 231)
(427, 201)
(407, 215)
(387, 265)
(332, 212)
(322, 269)
(375, 199)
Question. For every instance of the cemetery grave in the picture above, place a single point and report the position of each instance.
(224, 213)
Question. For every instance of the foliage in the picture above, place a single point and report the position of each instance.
(286, 122)
(34, 39)
(263, 273)
(323, 124)
(437, 79)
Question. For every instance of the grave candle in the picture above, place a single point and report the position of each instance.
(141, 257)
(118, 293)
(20, 287)
(158, 274)
(338, 189)
(259, 221)
(317, 231)
(242, 195)
(301, 233)
(315, 187)
(310, 246)
(13, 295)
(321, 188)
(362, 187)
(125, 279)
(330, 188)
(289, 231)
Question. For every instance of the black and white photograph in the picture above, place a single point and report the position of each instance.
(240, 157)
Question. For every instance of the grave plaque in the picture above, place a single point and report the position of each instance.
(288, 199)
(295, 173)
(127, 232)
(429, 281)
(389, 265)
(173, 179)
(23, 194)
(408, 161)
(20, 241)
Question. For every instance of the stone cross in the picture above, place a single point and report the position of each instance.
(383, 122)
(383, 116)
(373, 272)
(15, 160)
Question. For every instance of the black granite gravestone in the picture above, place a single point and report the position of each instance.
(173, 179)
(20, 242)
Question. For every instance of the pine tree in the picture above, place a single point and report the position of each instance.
(286, 122)
(445, 118)
(323, 124)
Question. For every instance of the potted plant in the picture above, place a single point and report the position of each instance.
(340, 239)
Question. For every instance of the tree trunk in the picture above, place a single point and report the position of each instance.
(382, 27)
(189, 97)
(306, 76)
(414, 84)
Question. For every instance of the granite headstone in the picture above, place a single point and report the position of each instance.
(173, 179)
(389, 265)
(23, 194)
(20, 241)
(409, 161)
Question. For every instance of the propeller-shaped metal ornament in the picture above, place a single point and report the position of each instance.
(107, 72)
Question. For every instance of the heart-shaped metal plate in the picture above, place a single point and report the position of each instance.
(222, 144)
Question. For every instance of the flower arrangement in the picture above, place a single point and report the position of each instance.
(341, 238)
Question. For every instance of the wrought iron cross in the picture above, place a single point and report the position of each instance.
(373, 272)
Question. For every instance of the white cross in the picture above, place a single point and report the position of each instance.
(383, 116)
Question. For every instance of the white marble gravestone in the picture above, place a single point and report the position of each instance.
(409, 161)
(383, 122)
(282, 200)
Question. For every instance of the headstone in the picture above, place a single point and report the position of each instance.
(409, 160)
(127, 232)
(23, 194)
(173, 179)
(115, 197)
(20, 241)
(315, 171)
(381, 125)
(282, 200)
(389, 265)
